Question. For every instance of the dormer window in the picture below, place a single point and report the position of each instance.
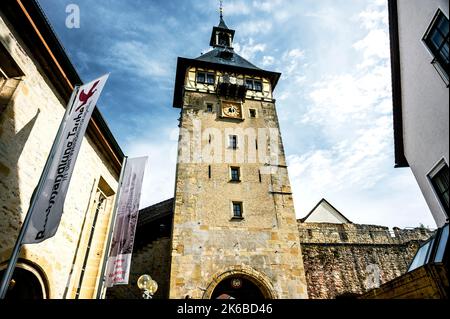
(206, 78)
(254, 85)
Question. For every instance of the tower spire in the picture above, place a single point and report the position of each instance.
(221, 22)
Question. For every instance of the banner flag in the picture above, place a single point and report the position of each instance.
(119, 261)
(52, 189)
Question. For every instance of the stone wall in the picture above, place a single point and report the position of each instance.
(207, 241)
(28, 126)
(358, 234)
(343, 259)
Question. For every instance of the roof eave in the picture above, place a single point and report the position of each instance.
(399, 150)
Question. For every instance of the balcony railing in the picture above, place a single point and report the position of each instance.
(230, 86)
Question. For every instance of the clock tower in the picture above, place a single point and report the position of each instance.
(234, 230)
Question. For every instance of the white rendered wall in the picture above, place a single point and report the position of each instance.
(324, 213)
(425, 98)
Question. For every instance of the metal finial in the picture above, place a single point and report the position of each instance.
(221, 9)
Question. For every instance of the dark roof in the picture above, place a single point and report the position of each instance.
(400, 159)
(155, 212)
(214, 56)
(28, 19)
(317, 205)
(222, 24)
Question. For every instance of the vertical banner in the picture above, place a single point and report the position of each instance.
(49, 200)
(119, 261)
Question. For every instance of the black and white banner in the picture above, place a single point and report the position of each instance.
(52, 189)
(119, 261)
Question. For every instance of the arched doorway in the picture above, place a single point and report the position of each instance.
(25, 284)
(240, 282)
(237, 287)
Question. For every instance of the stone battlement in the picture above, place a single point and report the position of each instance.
(326, 233)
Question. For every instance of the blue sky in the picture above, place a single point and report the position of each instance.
(333, 99)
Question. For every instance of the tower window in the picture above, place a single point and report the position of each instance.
(233, 141)
(437, 41)
(257, 86)
(252, 113)
(440, 181)
(254, 85)
(209, 108)
(235, 174)
(237, 210)
(206, 78)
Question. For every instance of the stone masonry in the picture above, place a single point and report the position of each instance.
(343, 259)
(206, 242)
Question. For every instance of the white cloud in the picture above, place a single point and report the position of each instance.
(253, 27)
(372, 18)
(374, 45)
(232, 8)
(250, 49)
(268, 60)
(159, 178)
(352, 165)
(267, 6)
(339, 99)
(136, 57)
(292, 61)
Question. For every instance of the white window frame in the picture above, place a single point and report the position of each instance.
(431, 174)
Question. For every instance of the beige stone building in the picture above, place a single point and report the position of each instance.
(234, 227)
(36, 80)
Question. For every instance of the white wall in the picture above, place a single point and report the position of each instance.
(425, 97)
(324, 213)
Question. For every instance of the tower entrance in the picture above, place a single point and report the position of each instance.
(237, 287)
(25, 284)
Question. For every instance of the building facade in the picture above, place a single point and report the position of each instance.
(234, 229)
(420, 78)
(36, 81)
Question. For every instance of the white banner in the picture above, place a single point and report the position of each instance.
(49, 200)
(119, 261)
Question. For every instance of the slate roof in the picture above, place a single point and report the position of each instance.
(236, 60)
(222, 24)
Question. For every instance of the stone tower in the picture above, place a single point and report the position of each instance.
(234, 229)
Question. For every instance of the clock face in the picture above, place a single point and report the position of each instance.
(232, 110)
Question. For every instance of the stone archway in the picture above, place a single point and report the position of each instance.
(240, 282)
(27, 283)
